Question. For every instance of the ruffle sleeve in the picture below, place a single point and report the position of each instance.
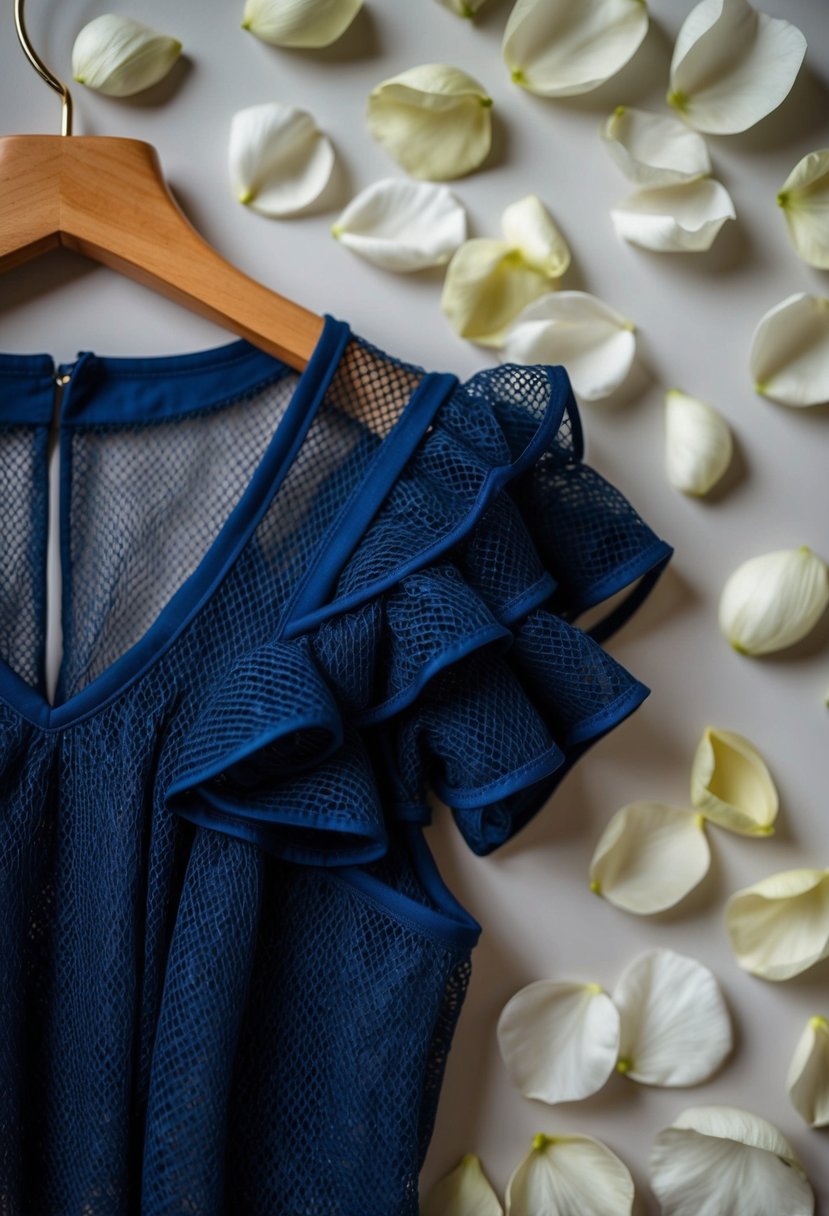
(438, 650)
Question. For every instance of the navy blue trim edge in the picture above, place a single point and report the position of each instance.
(220, 556)
(495, 480)
(367, 496)
(448, 924)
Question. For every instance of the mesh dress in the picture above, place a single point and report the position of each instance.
(293, 607)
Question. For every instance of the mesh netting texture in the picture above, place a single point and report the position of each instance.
(229, 972)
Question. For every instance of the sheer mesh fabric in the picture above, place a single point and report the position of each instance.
(23, 505)
(230, 974)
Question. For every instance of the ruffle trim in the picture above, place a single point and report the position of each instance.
(446, 658)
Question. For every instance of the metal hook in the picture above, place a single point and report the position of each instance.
(42, 70)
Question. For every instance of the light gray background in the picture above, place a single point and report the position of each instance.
(695, 316)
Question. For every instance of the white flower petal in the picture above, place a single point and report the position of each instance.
(570, 1176)
(808, 1077)
(732, 66)
(773, 600)
(717, 1159)
(593, 341)
(528, 226)
(487, 284)
(279, 160)
(303, 23)
(559, 1041)
(557, 48)
(780, 926)
(804, 199)
(403, 225)
(675, 219)
(463, 8)
(434, 120)
(119, 56)
(675, 1025)
(649, 857)
(731, 785)
(698, 443)
(789, 357)
(654, 149)
(464, 1192)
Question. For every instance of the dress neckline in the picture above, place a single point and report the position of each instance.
(99, 399)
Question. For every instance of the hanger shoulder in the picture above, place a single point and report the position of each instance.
(130, 221)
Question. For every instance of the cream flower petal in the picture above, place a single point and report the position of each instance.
(118, 56)
(464, 1192)
(403, 225)
(303, 23)
(698, 443)
(593, 341)
(528, 226)
(718, 1159)
(732, 66)
(649, 857)
(559, 1041)
(780, 926)
(434, 120)
(731, 785)
(570, 1176)
(487, 284)
(675, 219)
(789, 357)
(464, 8)
(654, 149)
(808, 1077)
(773, 600)
(557, 48)
(804, 199)
(279, 160)
(675, 1025)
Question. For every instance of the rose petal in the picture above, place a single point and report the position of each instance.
(732, 66)
(718, 1159)
(773, 600)
(302, 23)
(789, 357)
(528, 227)
(698, 443)
(675, 1025)
(434, 120)
(593, 341)
(487, 284)
(557, 48)
(570, 1176)
(808, 1077)
(804, 200)
(402, 225)
(119, 57)
(649, 857)
(780, 926)
(280, 162)
(464, 1192)
(559, 1041)
(654, 149)
(675, 219)
(731, 785)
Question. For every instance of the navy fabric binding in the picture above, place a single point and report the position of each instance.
(295, 608)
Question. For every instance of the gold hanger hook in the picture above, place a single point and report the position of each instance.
(42, 70)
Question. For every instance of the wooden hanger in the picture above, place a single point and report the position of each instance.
(106, 198)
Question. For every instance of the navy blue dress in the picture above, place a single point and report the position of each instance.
(293, 606)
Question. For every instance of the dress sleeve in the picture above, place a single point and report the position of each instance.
(446, 657)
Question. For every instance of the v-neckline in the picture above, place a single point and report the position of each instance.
(185, 603)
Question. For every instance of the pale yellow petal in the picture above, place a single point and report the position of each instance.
(804, 200)
(731, 785)
(487, 284)
(780, 926)
(434, 120)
